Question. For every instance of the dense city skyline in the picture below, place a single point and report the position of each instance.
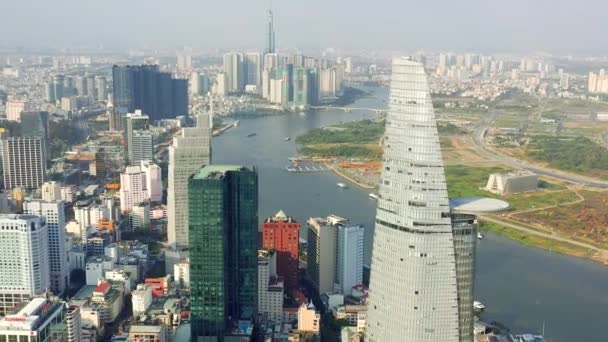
(566, 26)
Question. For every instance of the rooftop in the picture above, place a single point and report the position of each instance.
(212, 171)
(477, 205)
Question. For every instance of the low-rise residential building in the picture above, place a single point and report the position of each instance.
(309, 319)
(147, 333)
(110, 299)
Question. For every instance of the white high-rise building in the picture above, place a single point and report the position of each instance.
(234, 69)
(196, 83)
(51, 191)
(132, 188)
(23, 162)
(188, 153)
(349, 258)
(24, 272)
(221, 86)
(54, 213)
(416, 275)
(321, 265)
(270, 287)
(154, 182)
(88, 215)
(14, 108)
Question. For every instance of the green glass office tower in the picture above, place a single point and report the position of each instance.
(223, 227)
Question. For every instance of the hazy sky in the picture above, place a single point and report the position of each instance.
(564, 25)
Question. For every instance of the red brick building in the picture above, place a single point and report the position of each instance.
(282, 233)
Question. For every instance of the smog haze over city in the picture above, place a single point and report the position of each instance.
(520, 25)
(303, 171)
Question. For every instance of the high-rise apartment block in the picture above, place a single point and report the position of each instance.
(23, 162)
(235, 72)
(281, 233)
(54, 213)
(421, 277)
(146, 88)
(14, 108)
(223, 204)
(598, 83)
(133, 188)
(24, 273)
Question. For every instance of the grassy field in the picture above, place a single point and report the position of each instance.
(585, 221)
(468, 181)
(359, 139)
(537, 241)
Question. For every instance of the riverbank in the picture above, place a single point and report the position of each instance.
(542, 242)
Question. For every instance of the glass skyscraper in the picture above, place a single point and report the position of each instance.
(423, 257)
(223, 228)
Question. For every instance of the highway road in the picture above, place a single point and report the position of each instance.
(481, 147)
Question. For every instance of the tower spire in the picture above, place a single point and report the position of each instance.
(271, 46)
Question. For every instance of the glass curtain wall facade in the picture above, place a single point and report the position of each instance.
(414, 283)
(223, 219)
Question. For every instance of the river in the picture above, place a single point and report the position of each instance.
(522, 287)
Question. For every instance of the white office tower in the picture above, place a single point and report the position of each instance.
(413, 284)
(221, 86)
(51, 191)
(349, 258)
(54, 213)
(188, 153)
(24, 272)
(23, 162)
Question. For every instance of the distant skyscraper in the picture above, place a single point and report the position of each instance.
(58, 86)
(253, 70)
(54, 213)
(416, 276)
(349, 257)
(271, 38)
(145, 87)
(188, 153)
(282, 234)
(223, 205)
(24, 273)
(36, 124)
(101, 85)
(137, 139)
(23, 162)
(234, 69)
